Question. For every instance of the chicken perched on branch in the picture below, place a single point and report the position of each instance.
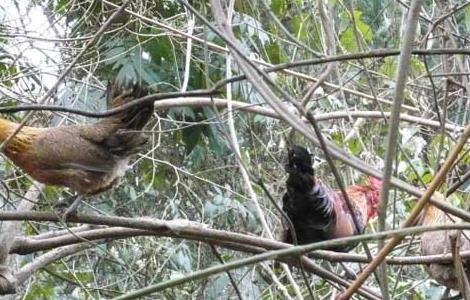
(88, 158)
(452, 275)
(319, 213)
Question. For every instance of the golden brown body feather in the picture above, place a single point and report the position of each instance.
(435, 243)
(88, 158)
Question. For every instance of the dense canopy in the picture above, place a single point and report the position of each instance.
(374, 87)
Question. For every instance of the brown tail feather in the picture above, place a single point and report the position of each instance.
(118, 94)
(125, 140)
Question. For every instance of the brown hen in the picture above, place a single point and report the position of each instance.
(88, 158)
(439, 242)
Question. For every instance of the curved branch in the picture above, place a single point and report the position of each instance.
(195, 99)
(197, 231)
(270, 255)
(27, 270)
(28, 245)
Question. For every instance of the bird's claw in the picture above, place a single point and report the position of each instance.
(68, 213)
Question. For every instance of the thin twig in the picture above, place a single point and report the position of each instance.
(392, 136)
(293, 251)
(229, 275)
(435, 183)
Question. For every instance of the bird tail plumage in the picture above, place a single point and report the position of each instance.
(126, 140)
(118, 94)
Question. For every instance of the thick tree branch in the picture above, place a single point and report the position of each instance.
(270, 255)
(39, 262)
(29, 245)
(199, 232)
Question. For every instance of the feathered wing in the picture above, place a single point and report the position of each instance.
(311, 212)
(320, 214)
(97, 147)
(344, 225)
(133, 118)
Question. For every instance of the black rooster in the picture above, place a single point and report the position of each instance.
(319, 213)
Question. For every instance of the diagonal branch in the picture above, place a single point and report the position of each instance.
(197, 231)
(233, 141)
(391, 141)
(270, 255)
(39, 262)
(435, 183)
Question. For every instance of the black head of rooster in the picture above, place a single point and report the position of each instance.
(299, 160)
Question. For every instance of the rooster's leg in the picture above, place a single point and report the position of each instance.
(72, 209)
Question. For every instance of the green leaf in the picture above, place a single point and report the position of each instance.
(388, 67)
(296, 24)
(417, 66)
(434, 147)
(161, 50)
(278, 7)
(300, 24)
(363, 28)
(192, 136)
(6, 72)
(337, 138)
(347, 35)
(82, 276)
(167, 8)
(354, 146)
(61, 6)
(348, 40)
(467, 18)
(44, 290)
(153, 175)
(6, 102)
(274, 52)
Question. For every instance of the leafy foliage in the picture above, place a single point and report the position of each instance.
(188, 169)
